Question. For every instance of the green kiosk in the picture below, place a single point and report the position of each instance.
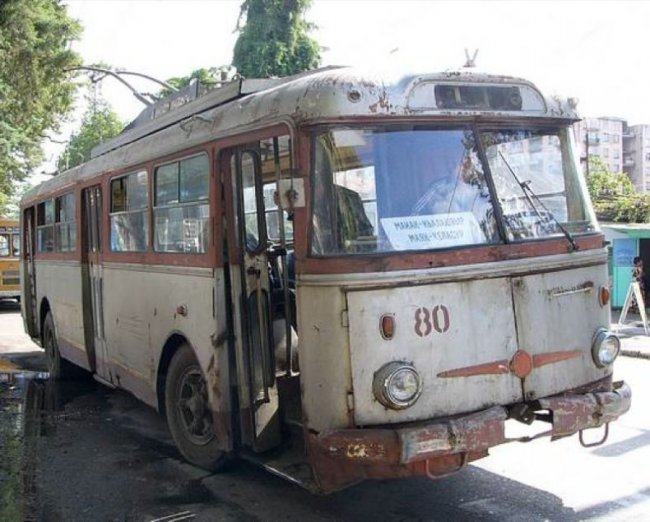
(627, 240)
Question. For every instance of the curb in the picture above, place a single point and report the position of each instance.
(637, 354)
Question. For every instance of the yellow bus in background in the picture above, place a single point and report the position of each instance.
(9, 256)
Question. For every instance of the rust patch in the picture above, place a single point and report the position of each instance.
(572, 413)
(382, 102)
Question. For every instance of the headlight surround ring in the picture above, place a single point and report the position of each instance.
(605, 348)
(397, 385)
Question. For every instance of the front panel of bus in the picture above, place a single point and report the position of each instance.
(9, 255)
(451, 267)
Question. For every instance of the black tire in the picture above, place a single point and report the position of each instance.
(57, 367)
(188, 415)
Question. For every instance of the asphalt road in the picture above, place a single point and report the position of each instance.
(99, 454)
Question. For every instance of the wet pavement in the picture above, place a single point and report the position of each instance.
(79, 451)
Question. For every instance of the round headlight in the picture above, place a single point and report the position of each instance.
(397, 385)
(605, 348)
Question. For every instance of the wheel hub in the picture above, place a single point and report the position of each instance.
(193, 409)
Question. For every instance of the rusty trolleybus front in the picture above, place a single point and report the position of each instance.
(455, 278)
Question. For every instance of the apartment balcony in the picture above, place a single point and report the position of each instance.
(628, 162)
(628, 135)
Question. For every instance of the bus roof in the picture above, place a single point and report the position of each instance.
(329, 94)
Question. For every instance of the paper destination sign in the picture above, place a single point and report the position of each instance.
(433, 231)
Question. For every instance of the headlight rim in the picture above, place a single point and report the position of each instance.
(600, 336)
(381, 382)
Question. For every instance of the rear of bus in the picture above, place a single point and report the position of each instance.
(9, 257)
(454, 277)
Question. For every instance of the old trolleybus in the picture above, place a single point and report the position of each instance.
(338, 276)
(9, 258)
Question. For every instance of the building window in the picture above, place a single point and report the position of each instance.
(65, 225)
(181, 209)
(45, 226)
(129, 206)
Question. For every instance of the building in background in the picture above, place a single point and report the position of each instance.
(602, 137)
(636, 156)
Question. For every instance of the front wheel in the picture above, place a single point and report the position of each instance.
(188, 412)
(57, 367)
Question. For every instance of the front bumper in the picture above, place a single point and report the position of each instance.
(438, 447)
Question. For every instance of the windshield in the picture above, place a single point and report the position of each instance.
(389, 190)
(536, 180)
(394, 190)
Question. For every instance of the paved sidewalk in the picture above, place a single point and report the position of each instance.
(634, 341)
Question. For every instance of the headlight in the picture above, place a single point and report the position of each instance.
(605, 348)
(397, 385)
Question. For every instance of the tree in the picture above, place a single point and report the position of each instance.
(35, 89)
(614, 196)
(274, 39)
(99, 123)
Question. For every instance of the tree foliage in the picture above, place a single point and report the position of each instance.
(614, 196)
(274, 40)
(207, 76)
(35, 89)
(99, 123)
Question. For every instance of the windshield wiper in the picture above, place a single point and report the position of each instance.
(529, 194)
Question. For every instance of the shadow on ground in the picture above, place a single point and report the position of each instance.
(100, 454)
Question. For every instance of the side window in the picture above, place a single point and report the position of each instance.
(45, 226)
(15, 239)
(65, 225)
(272, 159)
(4, 245)
(129, 205)
(181, 208)
(249, 190)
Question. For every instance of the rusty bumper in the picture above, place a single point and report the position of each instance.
(436, 448)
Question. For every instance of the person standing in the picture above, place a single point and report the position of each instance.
(639, 275)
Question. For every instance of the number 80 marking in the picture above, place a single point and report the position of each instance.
(426, 320)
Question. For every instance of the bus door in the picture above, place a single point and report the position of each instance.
(29, 271)
(250, 296)
(92, 280)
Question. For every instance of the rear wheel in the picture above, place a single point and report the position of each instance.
(188, 412)
(57, 367)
